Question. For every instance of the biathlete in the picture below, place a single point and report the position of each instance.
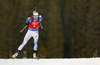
(33, 31)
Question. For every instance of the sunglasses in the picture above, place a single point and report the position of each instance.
(36, 16)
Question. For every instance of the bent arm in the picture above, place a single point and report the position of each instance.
(28, 20)
(40, 19)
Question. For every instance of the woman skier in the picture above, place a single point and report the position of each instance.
(33, 31)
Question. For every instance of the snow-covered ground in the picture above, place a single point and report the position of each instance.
(65, 61)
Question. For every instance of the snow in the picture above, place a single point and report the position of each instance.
(57, 61)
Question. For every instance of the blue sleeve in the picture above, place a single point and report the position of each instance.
(28, 20)
(40, 18)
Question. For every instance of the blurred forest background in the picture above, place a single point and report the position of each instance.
(71, 28)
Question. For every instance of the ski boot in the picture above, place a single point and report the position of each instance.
(34, 56)
(15, 55)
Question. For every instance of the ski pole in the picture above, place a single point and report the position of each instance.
(35, 7)
(23, 28)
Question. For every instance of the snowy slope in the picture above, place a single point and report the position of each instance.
(66, 61)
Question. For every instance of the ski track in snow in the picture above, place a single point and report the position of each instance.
(57, 61)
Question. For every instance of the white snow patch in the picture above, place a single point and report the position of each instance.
(65, 61)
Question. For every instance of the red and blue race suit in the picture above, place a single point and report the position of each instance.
(33, 24)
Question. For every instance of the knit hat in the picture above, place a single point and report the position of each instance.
(35, 13)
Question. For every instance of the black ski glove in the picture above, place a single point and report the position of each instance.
(27, 23)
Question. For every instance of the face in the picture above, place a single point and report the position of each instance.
(35, 17)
